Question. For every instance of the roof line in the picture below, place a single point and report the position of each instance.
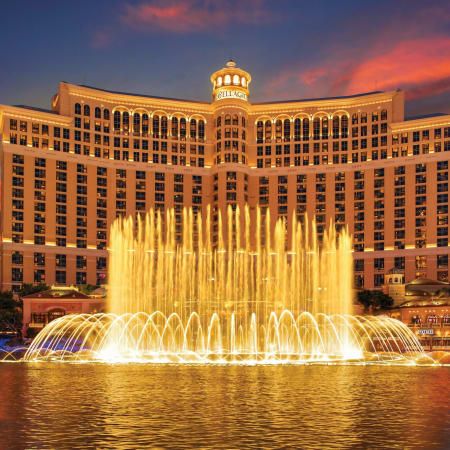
(131, 94)
(342, 97)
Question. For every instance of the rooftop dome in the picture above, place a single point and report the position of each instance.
(230, 82)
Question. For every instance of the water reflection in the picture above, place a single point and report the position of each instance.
(141, 406)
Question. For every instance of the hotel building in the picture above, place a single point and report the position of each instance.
(67, 173)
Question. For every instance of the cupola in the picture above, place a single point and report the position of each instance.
(230, 82)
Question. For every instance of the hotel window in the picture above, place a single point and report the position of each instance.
(268, 131)
(60, 277)
(379, 263)
(378, 279)
(87, 110)
(287, 130)
(316, 128)
(183, 129)
(17, 274)
(324, 128)
(77, 108)
(335, 127)
(60, 260)
(81, 262)
(306, 129)
(297, 129)
(442, 261)
(201, 130)
(116, 120)
(344, 127)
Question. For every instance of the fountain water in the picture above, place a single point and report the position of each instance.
(247, 289)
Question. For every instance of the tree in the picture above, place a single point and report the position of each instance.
(374, 300)
(11, 306)
(28, 288)
(87, 288)
(10, 312)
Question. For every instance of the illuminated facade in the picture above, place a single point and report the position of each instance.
(67, 173)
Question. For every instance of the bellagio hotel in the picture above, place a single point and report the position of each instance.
(68, 172)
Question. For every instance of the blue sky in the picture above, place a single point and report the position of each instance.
(293, 48)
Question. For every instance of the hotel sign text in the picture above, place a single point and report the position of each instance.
(231, 93)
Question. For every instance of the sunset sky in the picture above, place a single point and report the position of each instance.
(294, 49)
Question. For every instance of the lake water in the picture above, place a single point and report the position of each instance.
(59, 406)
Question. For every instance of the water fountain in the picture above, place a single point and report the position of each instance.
(241, 288)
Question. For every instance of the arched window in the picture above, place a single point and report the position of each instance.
(287, 130)
(219, 81)
(325, 128)
(193, 129)
(336, 127)
(363, 117)
(136, 123)
(98, 113)
(126, 121)
(219, 121)
(116, 120)
(355, 119)
(183, 128)
(164, 127)
(87, 110)
(156, 126)
(259, 132)
(268, 131)
(243, 81)
(243, 121)
(201, 130)
(316, 128)
(77, 108)
(106, 114)
(145, 123)
(344, 127)
(278, 130)
(227, 79)
(297, 129)
(306, 129)
(384, 114)
(175, 126)
(227, 119)
(236, 80)
(235, 120)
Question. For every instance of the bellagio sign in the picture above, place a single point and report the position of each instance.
(231, 93)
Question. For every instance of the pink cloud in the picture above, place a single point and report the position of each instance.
(414, 63)
(190, 16)
(420, 66)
